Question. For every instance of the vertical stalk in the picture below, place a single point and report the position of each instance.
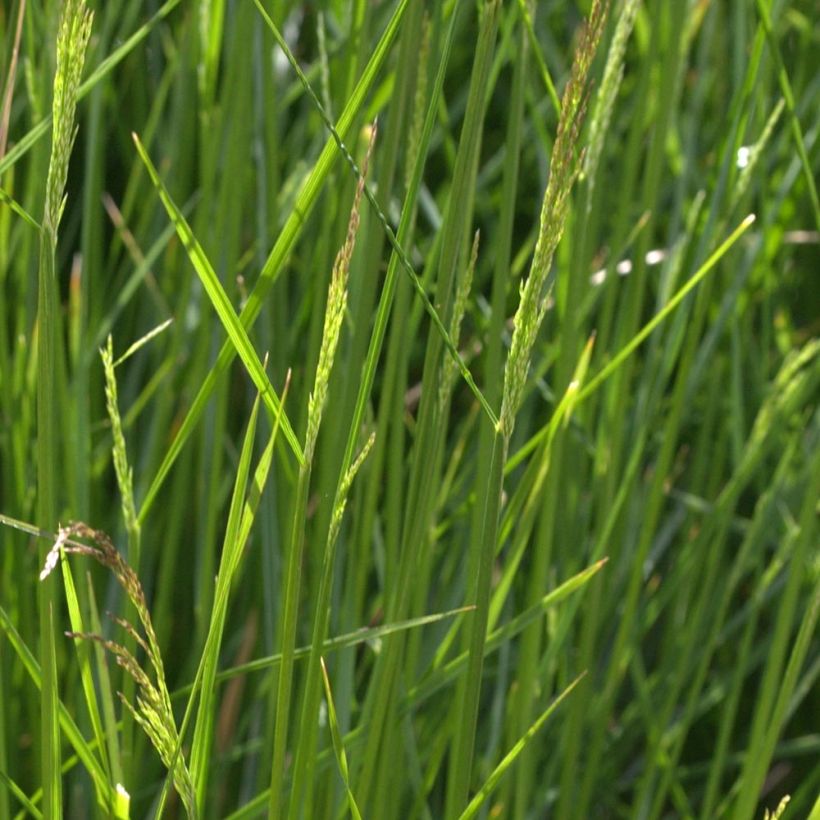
(47, 514)
(72, 39)
(527, 322)
(293, 575)
(470, 685)
(379, 709)
(334, 313)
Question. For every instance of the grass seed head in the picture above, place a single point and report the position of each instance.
(334, 312)
(153, 710)
(564, 169)
(72, 40)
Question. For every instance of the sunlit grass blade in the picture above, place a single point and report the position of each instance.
(366, 635)
(338, 745)
(509, 759)
(221, 303)
(231, 553)
(681, 294)
(622, 355)
(272, 268)
(9, 200)
(443, 673)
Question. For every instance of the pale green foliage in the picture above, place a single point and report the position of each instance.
(605, 99)
(344, 489)
(338, 744)
(797, 379)
(125, 475)
(463, 286)
(564, 169)
(334, 313)
(72, 39)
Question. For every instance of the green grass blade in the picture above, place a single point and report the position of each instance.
(110, 724)
(84, 657)
(351, 639)
(21, 796)
(9, 200)
(391, 237)
(231, 551)
(338, 745)
(273, 265)
(509, 759)
(67, 724)
(221, 303)
(240, 521)
(773, 699)
(623, 354)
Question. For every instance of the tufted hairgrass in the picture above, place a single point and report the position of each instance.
(470, 471)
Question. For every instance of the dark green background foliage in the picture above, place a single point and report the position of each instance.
(676, 497)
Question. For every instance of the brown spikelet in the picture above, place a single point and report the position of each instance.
(153, 710)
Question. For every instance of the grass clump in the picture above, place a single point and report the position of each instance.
(409, 524)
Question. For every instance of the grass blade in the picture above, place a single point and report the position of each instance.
(221, 303)
(338, 745)
(509, 759)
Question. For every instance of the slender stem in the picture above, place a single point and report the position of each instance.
(290, 612)
(47, 513)
(469, 689)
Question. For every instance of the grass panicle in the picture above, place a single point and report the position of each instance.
(153, 710)
(565, 165)
(564, 169)
(334, 314)
(72, 41)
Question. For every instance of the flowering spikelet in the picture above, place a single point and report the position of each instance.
(72, 39)
(125, 475)
(564, 168)
(611, 82)
(334, 313)
(153, 710)
(463, 286)
(344, 488)
(419, 102)
(778, 812)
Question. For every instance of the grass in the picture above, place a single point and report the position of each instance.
(434, 389)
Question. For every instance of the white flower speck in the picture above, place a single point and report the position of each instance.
(54, 554)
